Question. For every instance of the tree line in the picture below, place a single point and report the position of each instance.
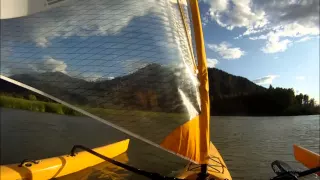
(271, 102)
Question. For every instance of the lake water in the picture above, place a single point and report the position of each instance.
(248, 144)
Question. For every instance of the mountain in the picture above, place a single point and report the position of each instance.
(223, 84)
(153, 87)
(53, 83)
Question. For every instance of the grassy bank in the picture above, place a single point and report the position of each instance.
(34, 105)
(51, 107)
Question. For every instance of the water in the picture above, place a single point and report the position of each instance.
(248, 144)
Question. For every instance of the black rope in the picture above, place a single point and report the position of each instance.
(309, 171)
(150, 175)
(296, 174)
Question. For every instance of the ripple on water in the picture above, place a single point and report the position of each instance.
(248, 144)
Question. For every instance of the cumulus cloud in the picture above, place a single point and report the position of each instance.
(94, 36)
(205, 20)
(274, 45)
(12, 67)
(96, 77)
(300, 78)
(48, 65)
(265, 80)
(84, 18)
(226, 51)
(51, 65)
(212, 62)
(91, 76)
(235, 13)
(272, 21)
(307, 38)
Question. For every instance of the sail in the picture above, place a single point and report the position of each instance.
(130, 64)
(192, 139)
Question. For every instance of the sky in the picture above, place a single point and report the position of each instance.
(267, 41)
(93, 39)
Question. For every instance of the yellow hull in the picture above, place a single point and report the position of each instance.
(217, 168)
(77, 166)
(306, 157)
(63, 165)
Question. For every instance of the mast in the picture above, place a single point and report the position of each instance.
(204, 85)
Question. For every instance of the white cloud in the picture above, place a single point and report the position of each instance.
(226, 51)
(265, 80)
(204, 20)
(307, 38)
(91, 76)
(273, 45)
(212, 62)
(300, 78)
(235, 13)
(86, 18)
(42, 42)
(104, 78)
(11, 67)
(268, 20)
(132, 65)
(217, 5)
(50, 65)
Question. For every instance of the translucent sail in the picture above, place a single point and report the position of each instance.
(129, 63)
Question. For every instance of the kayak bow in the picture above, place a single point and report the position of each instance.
(62, 165)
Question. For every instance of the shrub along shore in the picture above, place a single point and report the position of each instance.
(35, 105)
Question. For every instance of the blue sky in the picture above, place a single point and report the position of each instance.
(93, 39)
(268, 42)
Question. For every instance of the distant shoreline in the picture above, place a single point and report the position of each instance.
(36, 106)
(56, 108)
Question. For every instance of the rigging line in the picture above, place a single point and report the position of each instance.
(187, 35)
(92, 116)
(151, 175)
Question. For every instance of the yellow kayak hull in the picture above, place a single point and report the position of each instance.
(217, 168)
(63, 165)
(60, 167)
(306, 157)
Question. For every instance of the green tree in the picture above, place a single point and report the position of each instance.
(312, 102)
(305, 99)
(271, 87)
(32, 97)
(299, 98)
